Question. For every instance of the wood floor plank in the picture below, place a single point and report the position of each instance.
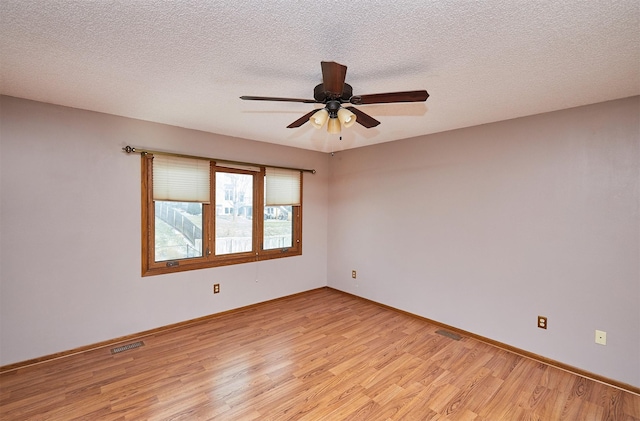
(320, 355)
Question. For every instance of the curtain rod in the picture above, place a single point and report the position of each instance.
(129, 149)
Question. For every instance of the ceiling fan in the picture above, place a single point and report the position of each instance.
(333, 92)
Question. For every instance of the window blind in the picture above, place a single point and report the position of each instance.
(181, 179)
(282, 187)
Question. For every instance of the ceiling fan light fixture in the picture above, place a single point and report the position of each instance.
(333, 127)
(346, 117)
(319, 118)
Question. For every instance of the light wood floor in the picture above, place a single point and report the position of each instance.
(321, 355)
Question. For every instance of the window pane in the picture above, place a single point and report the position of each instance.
(278, 227)
(234, 213)
(178, 232)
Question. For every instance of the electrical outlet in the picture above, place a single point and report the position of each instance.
(216, 288)
(601, 337)
(542, 322)
(353, 274)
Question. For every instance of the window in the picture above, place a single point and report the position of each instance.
(234, 227)
(198, 213)
(282, 195)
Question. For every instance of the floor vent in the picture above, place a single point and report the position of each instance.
(448, 334)
(127, 347)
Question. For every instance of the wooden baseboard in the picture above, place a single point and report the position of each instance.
(553, 363)
(204, 319)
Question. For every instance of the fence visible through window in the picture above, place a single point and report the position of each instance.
(178, 232)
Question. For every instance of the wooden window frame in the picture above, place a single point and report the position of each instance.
(209, 259)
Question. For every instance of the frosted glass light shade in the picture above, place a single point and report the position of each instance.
(318, 119)
(333, 126)
(346, 117)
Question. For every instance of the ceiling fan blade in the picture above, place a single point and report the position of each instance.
(269, 98)
(406, 96)
(299, 122)
(333, 75)
(365, 119)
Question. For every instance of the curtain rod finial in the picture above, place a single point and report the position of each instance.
(128, 149)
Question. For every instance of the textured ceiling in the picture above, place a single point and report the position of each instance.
(185, 63)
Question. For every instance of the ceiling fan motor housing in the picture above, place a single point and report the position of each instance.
(321, 95)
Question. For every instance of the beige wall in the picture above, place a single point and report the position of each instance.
(482, 228)
(488, 227)
(70, 231)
